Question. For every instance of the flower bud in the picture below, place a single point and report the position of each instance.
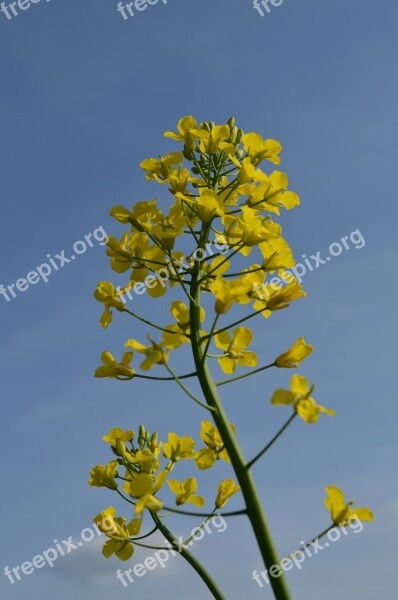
(231, 122)
(239, 136)
(120, 448)
(232, 135)
(187, 154)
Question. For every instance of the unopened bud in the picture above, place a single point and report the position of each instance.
(232, 135)
(231, 122)
(187, 154)
(154, 441)
(239, 136)
(120, 448)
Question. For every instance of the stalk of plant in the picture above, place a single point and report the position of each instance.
(216, 247)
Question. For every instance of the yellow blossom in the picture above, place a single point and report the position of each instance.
(144, 487)
(106, 293)
(299, 396)
(235, 349)
(185, 492)
(117, 434)
(215, 139)
(259, 149)
(276, 297)
(179, 448)
(341, 511)
(119, 533)
(205, 458)
(295, 355)
(155, 354)
(104, 475)
(227, 292)
(181, 328)
(185, 127)
(160, 169)
(111, 368)
(226, 489)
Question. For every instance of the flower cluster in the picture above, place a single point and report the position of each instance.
(140, 470)
(217, 242)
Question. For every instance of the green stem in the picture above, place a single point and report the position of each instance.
(245, 375)
(164, 378)
(186, 390)
(316, 538)
(189, 513)
(195, 564)
(152, 324)
(271, 443)
(210, 336)
(244, 476)
(235, 323)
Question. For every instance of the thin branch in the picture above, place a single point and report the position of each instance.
(271, 443)
(153, 324)
(186, 390)
(245, 375)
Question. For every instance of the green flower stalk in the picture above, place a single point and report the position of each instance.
(218, 239)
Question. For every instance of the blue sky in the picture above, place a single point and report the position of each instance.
(86, 96)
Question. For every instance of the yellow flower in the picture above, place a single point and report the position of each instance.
(341, 511)
(179, 448)
(216, 267)
(178, 180)
(185, 492)
(185, 127)
(166, 228)
(205, 458)
(271, 194)
(139, 218)
(227, 292)
(160, 169)
(155, 354)
(276, 297)
(208, 205)
(111, 368)
(299, 396)
(251, 229)
(117, 434)
(143, 487)
(248, 172)
(234, 349)
(104, 475)
(119, 533)
(106, 293)
(277, 254)
(180, 312)
(226, 489)
(146, 460)
(215, 139)
(297, 353)
(259, 149)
